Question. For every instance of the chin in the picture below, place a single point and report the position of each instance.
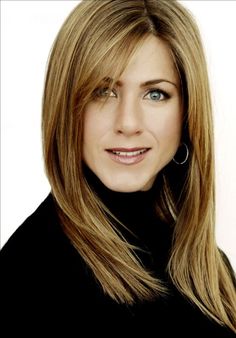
(127, 185)
(121, 188)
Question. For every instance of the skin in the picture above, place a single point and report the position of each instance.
(135, 115)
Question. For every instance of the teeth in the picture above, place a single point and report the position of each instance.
(129, 153)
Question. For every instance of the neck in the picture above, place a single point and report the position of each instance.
(123, 203)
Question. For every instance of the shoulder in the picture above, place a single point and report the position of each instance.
(40, 269)
(35, 230)
(39, 244)
(39, 262)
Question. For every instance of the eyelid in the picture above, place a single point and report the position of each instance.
(100, 90)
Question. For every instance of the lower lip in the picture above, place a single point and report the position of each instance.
(127, 160)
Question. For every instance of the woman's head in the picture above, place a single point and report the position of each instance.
(95, 45)
(133, 130)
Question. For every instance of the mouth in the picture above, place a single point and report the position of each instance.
(127, 155)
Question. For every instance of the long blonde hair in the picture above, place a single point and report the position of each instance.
(97, 40)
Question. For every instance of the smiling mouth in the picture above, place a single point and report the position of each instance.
(127, 155)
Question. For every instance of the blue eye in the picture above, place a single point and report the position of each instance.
(156, 95)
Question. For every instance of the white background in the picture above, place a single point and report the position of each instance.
(28, 29)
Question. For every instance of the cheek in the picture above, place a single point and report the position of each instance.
(167, 126)
(96, 125)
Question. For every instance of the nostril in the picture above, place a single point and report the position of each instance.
(128, 130)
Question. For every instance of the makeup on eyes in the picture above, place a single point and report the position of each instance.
(106, 92)
(155, 91)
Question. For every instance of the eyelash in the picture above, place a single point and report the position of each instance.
(101, 93)
(159, 91)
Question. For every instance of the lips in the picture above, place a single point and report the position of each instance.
(128, 155)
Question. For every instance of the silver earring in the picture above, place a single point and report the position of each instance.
(186, 156)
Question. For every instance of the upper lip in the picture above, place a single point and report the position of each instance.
(127, 149)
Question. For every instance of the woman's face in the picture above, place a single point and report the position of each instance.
(134, 130)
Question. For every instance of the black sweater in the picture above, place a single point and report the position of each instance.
(48, 289)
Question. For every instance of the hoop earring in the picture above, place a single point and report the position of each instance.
(186, 156)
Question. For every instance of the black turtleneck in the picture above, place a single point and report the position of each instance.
(47, 288)
(136, 210)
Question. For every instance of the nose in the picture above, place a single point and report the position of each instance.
(128, 118)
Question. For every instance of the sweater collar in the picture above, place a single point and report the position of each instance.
(136, 211)
(123, 204)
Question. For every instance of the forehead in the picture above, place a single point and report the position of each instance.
(152, 59)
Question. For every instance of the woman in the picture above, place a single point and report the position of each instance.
(126, 235)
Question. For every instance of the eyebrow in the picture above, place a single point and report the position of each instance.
(144, 84)
(156, 81)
